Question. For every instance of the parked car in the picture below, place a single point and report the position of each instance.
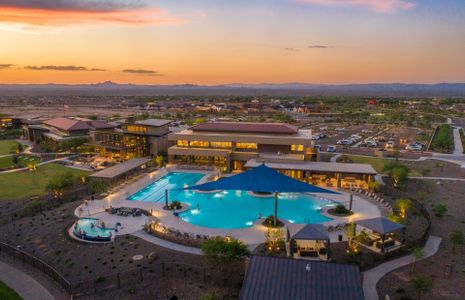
(372, 144)
(414, 146)
(331, 148)
(340, 130)
(322, 135)
(390, 145)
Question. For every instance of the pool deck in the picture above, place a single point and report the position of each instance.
(251, 236)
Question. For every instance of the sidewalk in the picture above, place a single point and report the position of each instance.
(371, 277)
(166, 244)
(458, 147)
(26, 286)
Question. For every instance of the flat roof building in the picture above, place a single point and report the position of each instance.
(235, 146)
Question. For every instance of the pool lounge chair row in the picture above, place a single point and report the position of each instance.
(374, 197)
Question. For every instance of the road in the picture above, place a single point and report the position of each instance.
(458, 147)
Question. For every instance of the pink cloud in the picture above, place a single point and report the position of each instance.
(383, 6)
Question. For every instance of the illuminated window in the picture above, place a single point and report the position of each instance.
(221, 144)
(246, 146)
(299, 148)
(199, 144)
(136, 128)
(183, 143)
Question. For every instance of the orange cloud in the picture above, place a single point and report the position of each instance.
(384, 6)
(61, 17)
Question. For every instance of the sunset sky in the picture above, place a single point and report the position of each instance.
(228, 41)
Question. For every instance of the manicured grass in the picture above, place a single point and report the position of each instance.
(443, 140)
(6, 146)
(7, 293)
(378, 163)
(26, 183)
(7, 162)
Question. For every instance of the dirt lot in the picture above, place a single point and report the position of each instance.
(397, 283)
(45, 236)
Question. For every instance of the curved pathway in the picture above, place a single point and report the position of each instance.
(371, 277)
(166, 244)
(39, 164)
(26, 286)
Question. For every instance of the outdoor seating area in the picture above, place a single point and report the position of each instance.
(310, 241)
(380, 235)
(125, 211)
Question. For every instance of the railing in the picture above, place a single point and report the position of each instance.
(129, 278)
(37, 263)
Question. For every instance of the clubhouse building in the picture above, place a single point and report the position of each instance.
(235, 146)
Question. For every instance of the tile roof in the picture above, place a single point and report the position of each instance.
(68, 124)
(312, 232)
(274, 278)
(247, 127)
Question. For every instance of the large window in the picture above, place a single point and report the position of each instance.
(182, 143)
(221, 144)
(199, 144)
(246, 146)
(136, 128)
(299, 148)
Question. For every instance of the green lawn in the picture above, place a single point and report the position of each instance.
(378, 163)
(7, 293)
(26, 183)
(7, 161)
(7, 145)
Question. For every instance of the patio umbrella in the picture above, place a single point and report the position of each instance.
(262, 179)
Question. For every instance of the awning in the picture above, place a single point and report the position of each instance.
(313, 232)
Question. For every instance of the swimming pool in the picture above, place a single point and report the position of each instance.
(91, 229)
(231, 209)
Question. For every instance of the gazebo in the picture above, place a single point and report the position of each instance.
(262, 179)
(379, 234)
(310, 240)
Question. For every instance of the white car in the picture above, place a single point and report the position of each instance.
(331, 148)
(390, 145)
(414, 147)
(372, 144)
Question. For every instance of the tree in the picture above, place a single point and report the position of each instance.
(20, 148)
(350, 232)
(59, 183)
(374, 186)
(99, 186)
(160, 160)
(274, 238)
(421, 284)
(439, 210)
(220, 250)
(417, 254)
(456, 238)
(398, 175)
(403, 205)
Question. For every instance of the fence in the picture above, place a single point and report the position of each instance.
(37, 263)
(47, 202)
(129, 278)
(418, 206)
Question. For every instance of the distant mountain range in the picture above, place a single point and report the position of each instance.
(283, 89)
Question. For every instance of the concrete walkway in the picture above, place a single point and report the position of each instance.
(371, 277)
(335, 157)
(26, 286)
(166, 244)
(438, 178)
(40, 164)
(458, 147)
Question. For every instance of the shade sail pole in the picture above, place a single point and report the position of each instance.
(166, 198)
(275, 209)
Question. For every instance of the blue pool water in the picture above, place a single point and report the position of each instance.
(84, 227)
(231, 209)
